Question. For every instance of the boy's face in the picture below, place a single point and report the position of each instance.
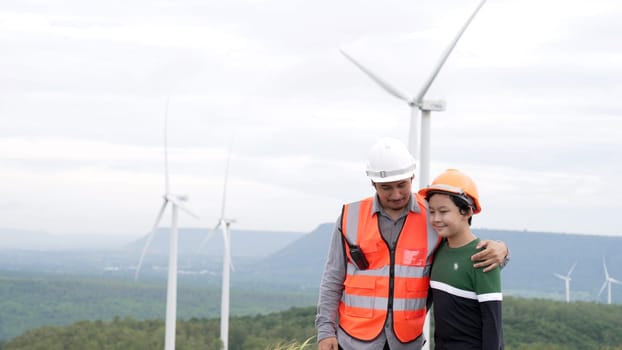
(445, 216)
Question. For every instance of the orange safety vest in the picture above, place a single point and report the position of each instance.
(395, 280)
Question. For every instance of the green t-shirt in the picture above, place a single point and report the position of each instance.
(467, 301)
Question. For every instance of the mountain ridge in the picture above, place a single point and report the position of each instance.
(297, 259)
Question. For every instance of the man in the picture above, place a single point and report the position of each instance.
(376, 277)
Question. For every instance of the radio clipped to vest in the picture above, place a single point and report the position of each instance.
(358, 256)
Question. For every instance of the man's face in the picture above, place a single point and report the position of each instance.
(394, 195)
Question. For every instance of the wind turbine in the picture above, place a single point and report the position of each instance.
(419, 146)
(608, 281)
(176, 203)
(223, 224)
(567, 280)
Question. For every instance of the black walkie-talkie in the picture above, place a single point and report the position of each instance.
(358, 256)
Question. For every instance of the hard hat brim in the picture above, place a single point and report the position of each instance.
(446, 189)
(391, 176)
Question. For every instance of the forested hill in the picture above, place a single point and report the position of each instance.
(301, 262)
(527, 324)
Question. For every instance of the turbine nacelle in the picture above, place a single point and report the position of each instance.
(432, 105)
(227, 222)
(181, 197)
(177, 201)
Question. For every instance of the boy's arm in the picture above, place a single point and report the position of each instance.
(492, 330)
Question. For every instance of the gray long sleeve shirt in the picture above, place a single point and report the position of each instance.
(331, 288)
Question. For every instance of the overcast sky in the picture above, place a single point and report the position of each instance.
(533, 90)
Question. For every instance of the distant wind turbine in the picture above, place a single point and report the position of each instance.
(223, 224)
(567, 280)
(419, 146)
(176, 204)
(608, 281)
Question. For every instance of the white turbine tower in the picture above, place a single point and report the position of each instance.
(420, 146)
(224, 224)
(176, 204)
(567, 281)
(608, 281)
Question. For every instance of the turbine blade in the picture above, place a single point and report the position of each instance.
(386, 86)
(209, 236)
(605, 266)
(166, 180)
(188, 212)
(426, 86)
(149, 238)
(572, 268)
(559, 276)
(613, 280)
(602, 288)
(179, 205)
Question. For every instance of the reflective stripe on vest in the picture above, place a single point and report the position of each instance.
(368, 295)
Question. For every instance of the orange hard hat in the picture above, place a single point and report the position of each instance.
(453, 181)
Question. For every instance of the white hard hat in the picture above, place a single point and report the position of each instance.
(389, 160)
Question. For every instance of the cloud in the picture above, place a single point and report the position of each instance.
(83, 90)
